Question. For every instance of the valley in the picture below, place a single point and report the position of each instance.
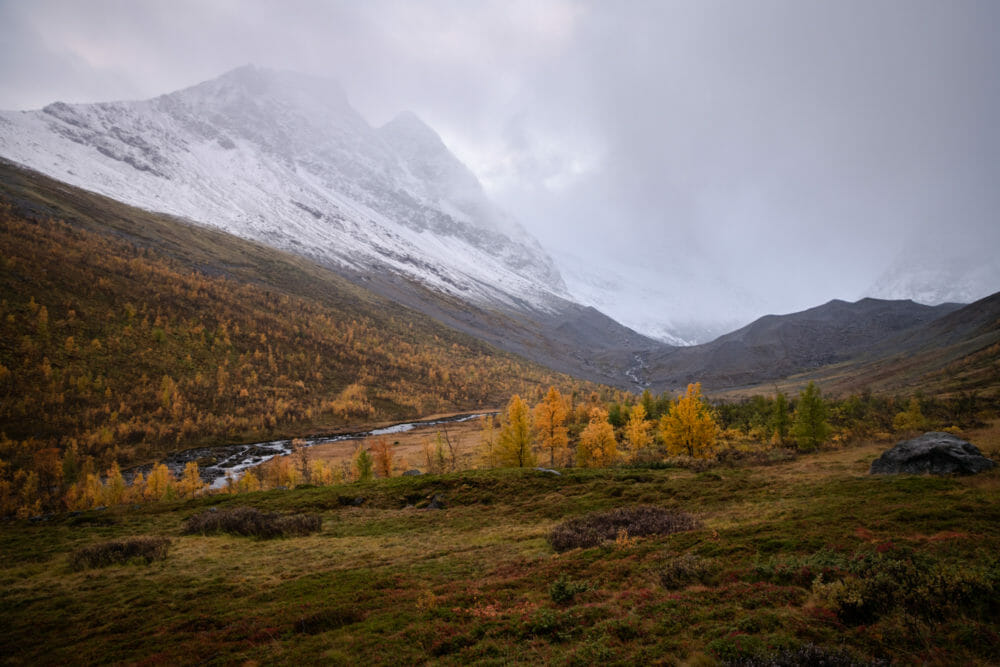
(247, 276)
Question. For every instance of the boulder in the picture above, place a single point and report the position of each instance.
(935, 453)
(412, 473)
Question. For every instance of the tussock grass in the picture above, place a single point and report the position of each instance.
(251, 522)
(641, 521)
(119, 552)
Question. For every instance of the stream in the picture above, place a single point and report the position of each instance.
(215, 463)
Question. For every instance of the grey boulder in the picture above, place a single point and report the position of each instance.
(936, 453)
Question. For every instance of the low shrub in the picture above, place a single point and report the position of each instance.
(118, 552)
(251, 522)
(795, 570)
(327, 619)
(883, 582)
(685, 570)
(641, 521)
(807, 654)
(562, 590)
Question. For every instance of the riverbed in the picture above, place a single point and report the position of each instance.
(217, 463)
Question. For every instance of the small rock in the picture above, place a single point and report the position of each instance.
(412, 473)
(935, 453)
(436, 503)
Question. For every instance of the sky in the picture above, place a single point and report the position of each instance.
(743, 156)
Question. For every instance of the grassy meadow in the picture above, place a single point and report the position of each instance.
(805, 559)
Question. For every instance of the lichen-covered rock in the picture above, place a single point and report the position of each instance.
(936, 453)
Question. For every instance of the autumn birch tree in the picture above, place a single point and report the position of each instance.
(689, 428)
(549, 418)
(514, 443)
(598, 447)
(637, 431)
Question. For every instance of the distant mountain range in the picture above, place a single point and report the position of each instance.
(283, 159)
(776, 346)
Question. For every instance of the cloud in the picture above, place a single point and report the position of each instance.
(791, 148)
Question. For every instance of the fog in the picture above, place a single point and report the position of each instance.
(747, 157)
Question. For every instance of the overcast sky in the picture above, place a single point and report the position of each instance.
(788, 149)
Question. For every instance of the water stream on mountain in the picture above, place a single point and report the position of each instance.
(217, 463)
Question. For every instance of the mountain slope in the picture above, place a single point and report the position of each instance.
(776, 346)
(955, 353)
(126, 333)
(283, 159)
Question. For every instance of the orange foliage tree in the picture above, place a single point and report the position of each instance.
(514, 444)
(549, 418)
(689, 428)
(598, 447)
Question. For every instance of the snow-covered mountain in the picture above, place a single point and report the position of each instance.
(284, 159)
(932, 279)
(638, 297)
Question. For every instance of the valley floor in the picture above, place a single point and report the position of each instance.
(776, 571)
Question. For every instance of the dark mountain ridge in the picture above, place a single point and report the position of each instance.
(776, 346)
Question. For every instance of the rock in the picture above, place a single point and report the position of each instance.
(936, 453)
(437, 503)
(412, 473)
(548, 470)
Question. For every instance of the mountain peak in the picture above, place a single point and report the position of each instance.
(258, 83)
(282, 157)
(410, 125)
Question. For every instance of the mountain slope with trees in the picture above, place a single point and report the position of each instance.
(125, 335)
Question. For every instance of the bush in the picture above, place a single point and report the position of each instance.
(119, 552)
(882, 583)
(807, 654)
(685, 570)
(641, 521)
(251, 522)
(562, 590)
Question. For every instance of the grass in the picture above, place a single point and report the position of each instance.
(479, 583)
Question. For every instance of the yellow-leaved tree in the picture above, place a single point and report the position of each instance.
(689, 428)
(514, 442)
(598, 447)
(637, 432)
(549, 418)
(488, 443)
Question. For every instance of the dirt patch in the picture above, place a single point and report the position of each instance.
(408, 446)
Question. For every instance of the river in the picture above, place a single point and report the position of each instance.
(215, 463)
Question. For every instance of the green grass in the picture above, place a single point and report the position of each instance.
(473, 583)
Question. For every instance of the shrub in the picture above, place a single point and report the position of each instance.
(807, 654)
(686, 569)
(119, 552)
(881, 583)
(327, 619)
(562, 590)
(252, 522)
(641, 521)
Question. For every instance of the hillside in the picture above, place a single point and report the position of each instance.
(776, 346)
(808, 561)
(127, 334)
(284, 159)
(956, 353)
